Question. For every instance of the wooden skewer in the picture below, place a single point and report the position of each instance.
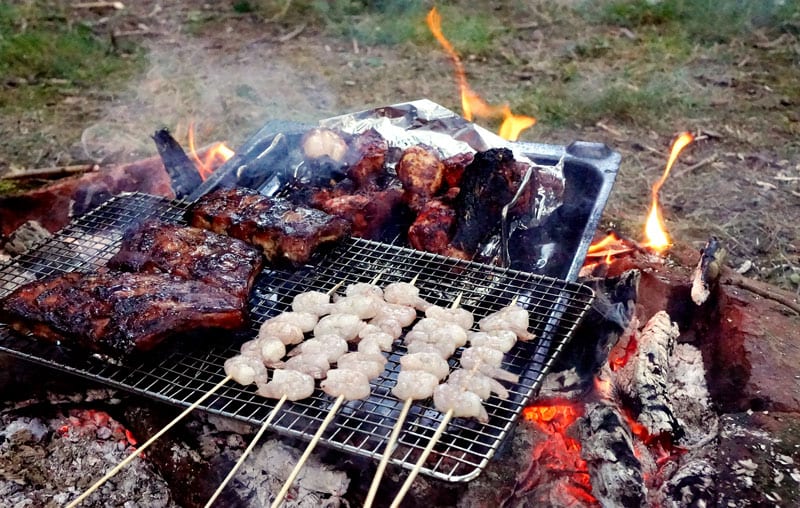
(150, 441)
(376, 480)
(428, 449)
(247, 451)
(328, 419)
(373, 488)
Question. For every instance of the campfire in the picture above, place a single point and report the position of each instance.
(636, 363)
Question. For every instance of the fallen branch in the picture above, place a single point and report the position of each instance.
(51, 172)
(761, 289)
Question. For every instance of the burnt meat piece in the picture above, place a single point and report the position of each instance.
(281, 229)
(369, 213)
(432, 228)
(190, 253)
(489, 183)
(454, 168)
(117, 313)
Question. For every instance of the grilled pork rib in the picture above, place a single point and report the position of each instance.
(117, 313)
(279, 228)
(190, 253)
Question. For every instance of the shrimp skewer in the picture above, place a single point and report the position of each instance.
(419, 376)
(286, 384)
(466, 388)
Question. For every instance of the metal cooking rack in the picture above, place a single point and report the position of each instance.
(182, 374)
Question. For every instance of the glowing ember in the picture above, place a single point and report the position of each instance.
(214, 157)
(552, 418)
(471, 103)
(619, 360)
(655, 231)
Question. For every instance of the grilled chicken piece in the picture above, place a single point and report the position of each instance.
(282, 230)
(432, 229)
(369, 151)
(421, 172)
(190, 253)
(369, 213)
(117, 313)
(489, 183)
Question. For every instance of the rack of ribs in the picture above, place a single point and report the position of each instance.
(281, 229)
(117, 313)
(190, 253)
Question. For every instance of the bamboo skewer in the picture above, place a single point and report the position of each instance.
(247, 451)
(428, 449)
(373, 489)
(261, 430)
(147, 443)
(288, 483)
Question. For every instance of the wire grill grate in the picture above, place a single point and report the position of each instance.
(182, 374)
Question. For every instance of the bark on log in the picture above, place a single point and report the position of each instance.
(706, 274)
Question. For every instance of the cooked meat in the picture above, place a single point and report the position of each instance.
(190, 253)
(432, 229)
(489, 183)
(116, 313)
(319, 142)
(281, 229)
(369, 153)
(421, 172)
(369, 213)
(454, 168)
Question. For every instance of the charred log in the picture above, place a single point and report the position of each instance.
(644, 380)
(607, 447)
(692, 485)
(181, 170)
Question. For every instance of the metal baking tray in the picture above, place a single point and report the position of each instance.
(182, 371)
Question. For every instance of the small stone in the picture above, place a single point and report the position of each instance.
(785, 459)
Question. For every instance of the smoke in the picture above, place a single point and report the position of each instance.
(227, 94)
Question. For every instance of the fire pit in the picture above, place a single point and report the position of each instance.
(582, 174)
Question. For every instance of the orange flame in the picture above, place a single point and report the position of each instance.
(655, 230)
(473, 104)
(214, 156)
(607, 248)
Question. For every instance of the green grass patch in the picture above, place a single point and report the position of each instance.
(387, 22)
(582, 101)
(705, 21)
(41, 48)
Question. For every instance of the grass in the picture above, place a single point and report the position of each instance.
(43, 53)
(705, 21)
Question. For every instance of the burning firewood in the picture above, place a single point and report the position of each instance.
(607, 447)
(180, 168)
(644, 378)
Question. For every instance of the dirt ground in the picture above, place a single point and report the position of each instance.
(229, 73)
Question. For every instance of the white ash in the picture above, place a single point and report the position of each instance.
(566, 384)
(263, 473)
(48, 463)
(688, 394)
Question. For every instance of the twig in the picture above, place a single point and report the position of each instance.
(761, 289)
(99, 5)
(247, 451)
(291, 35)
(428, 449)
(307, 453)
(150, 441)
(50, 172)
(697, 165)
